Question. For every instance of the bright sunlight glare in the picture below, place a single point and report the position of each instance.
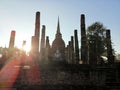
(26, 48)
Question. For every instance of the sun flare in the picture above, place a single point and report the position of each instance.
(26, 48)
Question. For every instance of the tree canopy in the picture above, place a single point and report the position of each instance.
(96, 35)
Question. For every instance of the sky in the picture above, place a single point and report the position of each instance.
(19, 15)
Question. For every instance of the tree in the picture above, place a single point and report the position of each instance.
(96, 34)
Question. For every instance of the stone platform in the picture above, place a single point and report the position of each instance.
(71, 77)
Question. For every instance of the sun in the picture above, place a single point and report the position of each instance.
(26, 48)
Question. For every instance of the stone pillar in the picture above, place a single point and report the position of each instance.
(24, 52)
(37, 24)
(72, 50)
(109, 48)
(33, 46)
(23, 44)
(37, 31)
(66, 54)
(35, 38)
(84, 47)
(76, 47)
(12, 39)
(42, 47)
(47, 51)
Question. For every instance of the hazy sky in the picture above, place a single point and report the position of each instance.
(19, 15)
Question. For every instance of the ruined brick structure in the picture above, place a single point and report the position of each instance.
(12, 39)
(84, 46)
(58, 46)
(42, 45)
(35, 38)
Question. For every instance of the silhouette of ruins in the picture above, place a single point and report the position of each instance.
(61, 53)
(72, 54)
(69, 66)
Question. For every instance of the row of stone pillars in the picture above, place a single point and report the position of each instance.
(73, 49)
(44, 45)
(73, 54)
